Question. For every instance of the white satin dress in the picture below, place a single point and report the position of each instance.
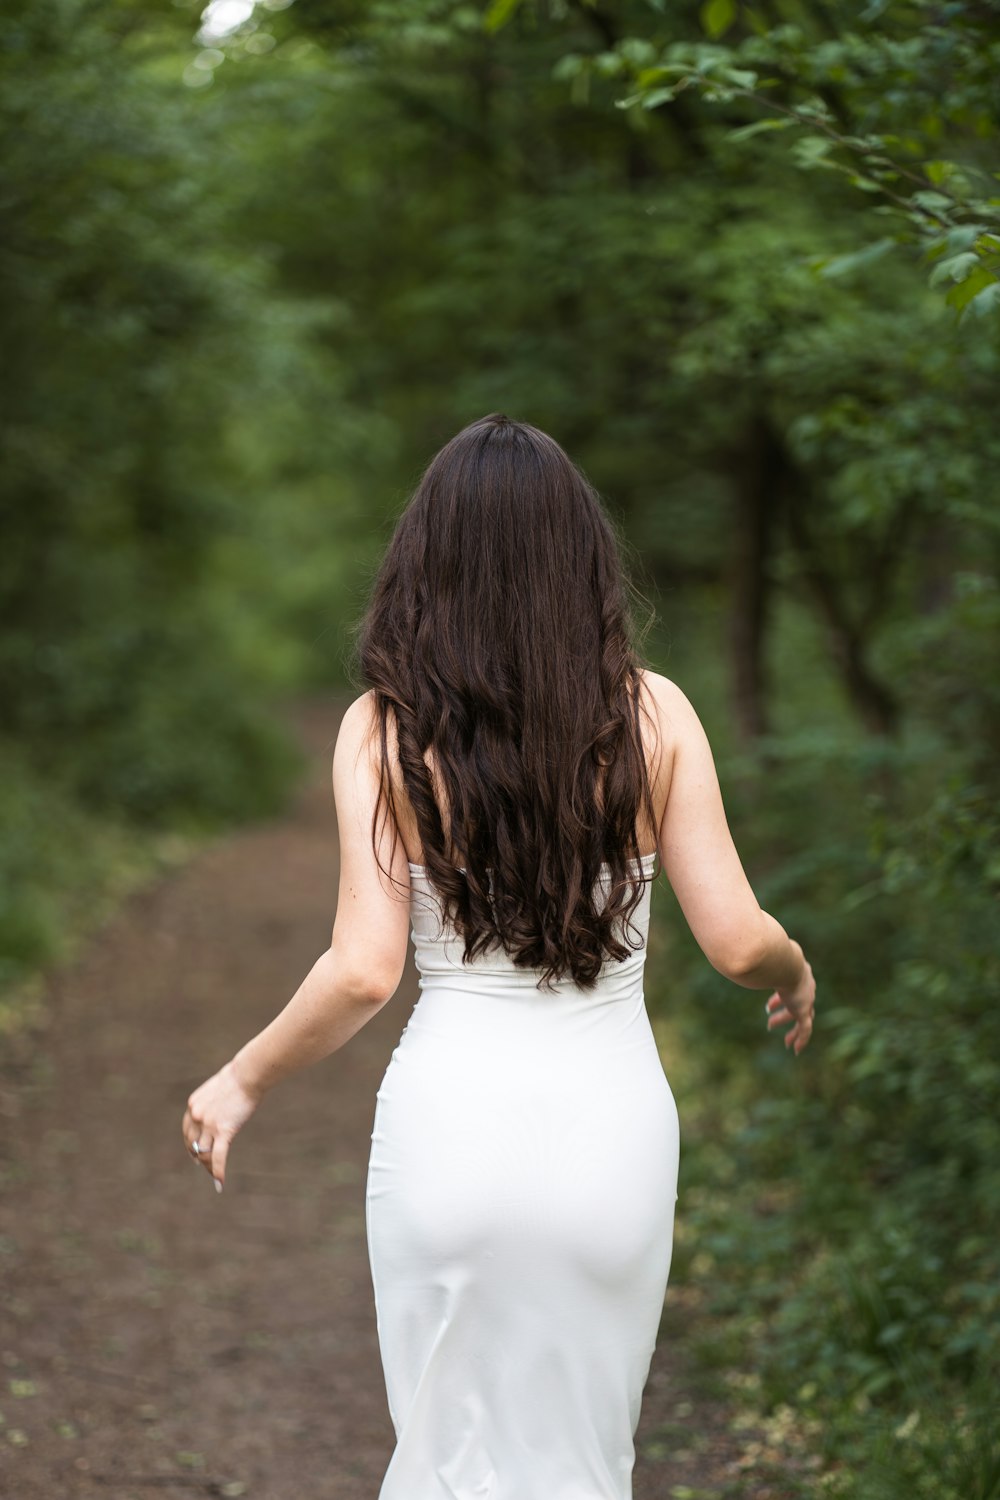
(520, 1209)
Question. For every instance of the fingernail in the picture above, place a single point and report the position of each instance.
(218, 1185)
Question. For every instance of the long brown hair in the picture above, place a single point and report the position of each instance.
(500, 635)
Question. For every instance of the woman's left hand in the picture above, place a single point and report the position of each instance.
(215, 1112)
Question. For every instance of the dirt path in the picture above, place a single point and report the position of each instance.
(157, 1337)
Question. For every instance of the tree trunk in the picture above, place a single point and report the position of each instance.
(758, 486)
(875, 704)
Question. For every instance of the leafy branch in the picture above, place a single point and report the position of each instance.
(950, 209)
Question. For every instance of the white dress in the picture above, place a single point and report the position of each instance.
(520, 1210)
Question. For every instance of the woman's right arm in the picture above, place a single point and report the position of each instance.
(697, 852)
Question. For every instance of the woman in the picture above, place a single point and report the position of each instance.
(505, 786)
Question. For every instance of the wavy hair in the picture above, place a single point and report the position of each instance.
(499, 636)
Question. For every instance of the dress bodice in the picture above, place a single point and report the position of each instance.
(439, 948)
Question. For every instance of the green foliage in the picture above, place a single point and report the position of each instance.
(161, 397)
(254, 279)
(124, 331)
(842, 1210)
(62, 869)
(896, 100)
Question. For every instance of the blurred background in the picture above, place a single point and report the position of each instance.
(261, 260)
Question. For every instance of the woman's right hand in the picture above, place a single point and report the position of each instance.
(795, 1007)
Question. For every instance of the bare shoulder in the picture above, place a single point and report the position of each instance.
(670, 707)
(358, 730)
(661, 715)
(358, 738)
(358, 719)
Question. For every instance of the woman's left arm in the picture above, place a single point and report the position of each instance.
(348, 983)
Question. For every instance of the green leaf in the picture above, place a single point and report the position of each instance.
(638, 50)
(962, 236)
(932, 201)
(774, 122)
(756, 22)
(717, 16)
(661, 73)
(811, 149)
(955, 268)
(656, 97)
(984, 302)
(963, 293)
(841, 265)
(610, 65)
(499, 13)
(567, 67)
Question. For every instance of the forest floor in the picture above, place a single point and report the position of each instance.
(159, 1338)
